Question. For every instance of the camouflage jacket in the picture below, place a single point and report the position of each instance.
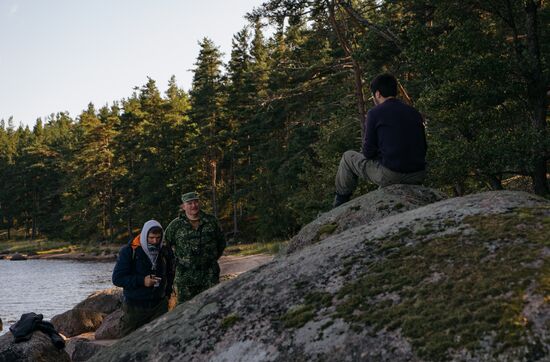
(196, 250)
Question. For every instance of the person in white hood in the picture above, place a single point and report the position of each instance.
(145, 270)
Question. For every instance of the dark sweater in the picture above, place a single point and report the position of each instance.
(395, 136)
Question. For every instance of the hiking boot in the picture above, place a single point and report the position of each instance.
(340, 199)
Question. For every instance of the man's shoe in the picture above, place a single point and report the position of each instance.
(340, 199)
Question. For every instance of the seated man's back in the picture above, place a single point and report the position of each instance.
(395, 137)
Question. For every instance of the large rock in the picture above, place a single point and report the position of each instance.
(84, 346)
(364, 209)
(18, 256)
(111, 326)
(464, 279)
(38, 348)
(88, 315)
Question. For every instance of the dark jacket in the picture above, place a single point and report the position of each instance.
(395, 136)
(23, 329)
(133, 265)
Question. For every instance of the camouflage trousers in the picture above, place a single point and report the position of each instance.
(354, 165)
(190, 284)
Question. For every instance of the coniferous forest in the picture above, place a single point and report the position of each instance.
(260, 137)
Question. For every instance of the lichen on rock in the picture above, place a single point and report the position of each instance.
(362, 210)
(463, 279)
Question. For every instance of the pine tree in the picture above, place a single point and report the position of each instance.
(89, 197)
(240, 94)
(207, 98)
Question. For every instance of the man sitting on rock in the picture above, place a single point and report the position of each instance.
(145, 271)
(394, 144)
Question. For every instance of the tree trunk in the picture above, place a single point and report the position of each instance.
(213, 173)
(129, 225)
(111, 226)
(33, 214)
(537, 95)
(104, 221)
(234, 181)
(10, 224)
(495, 183)
(357, 72)
(458, 189)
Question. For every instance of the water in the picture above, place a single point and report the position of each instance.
(49, 287)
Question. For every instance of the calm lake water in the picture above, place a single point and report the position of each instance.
(48, 287)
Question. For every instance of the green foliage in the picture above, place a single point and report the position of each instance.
(262, 136)
(207, 97)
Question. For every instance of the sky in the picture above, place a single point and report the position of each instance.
(60, 55)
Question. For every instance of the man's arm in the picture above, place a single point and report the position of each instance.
(170, 260)
(122, 273)
(168, 236)
(370, 139)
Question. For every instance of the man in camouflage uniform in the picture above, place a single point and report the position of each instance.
(198, 243)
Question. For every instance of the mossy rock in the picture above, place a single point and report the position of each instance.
(463, 279)
(363, 210)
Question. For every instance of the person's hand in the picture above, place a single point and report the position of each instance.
(151, 280)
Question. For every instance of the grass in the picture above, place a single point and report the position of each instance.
(271, 248)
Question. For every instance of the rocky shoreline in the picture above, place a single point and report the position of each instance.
(77, 256)
(91, 325)
(107, 257)
(94, 323)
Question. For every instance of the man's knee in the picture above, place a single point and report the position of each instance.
(349, 155)
(347, 160)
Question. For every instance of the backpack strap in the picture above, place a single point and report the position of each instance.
(134, 245)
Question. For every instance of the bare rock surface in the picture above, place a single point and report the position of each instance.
(83, 347)
(375, 205)
(463, 279)
(88, 315)
(111, 326)
(38, 348)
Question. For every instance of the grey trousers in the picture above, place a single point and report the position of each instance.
(354, 165)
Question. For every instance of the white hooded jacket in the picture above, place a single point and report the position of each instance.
(143, 239)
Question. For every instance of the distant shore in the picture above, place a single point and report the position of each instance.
(77, 256)
(108, 252)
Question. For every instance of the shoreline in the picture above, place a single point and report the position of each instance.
(64, 256)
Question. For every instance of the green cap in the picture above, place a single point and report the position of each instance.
(189, 196)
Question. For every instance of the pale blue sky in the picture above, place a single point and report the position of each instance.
(59, 55)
